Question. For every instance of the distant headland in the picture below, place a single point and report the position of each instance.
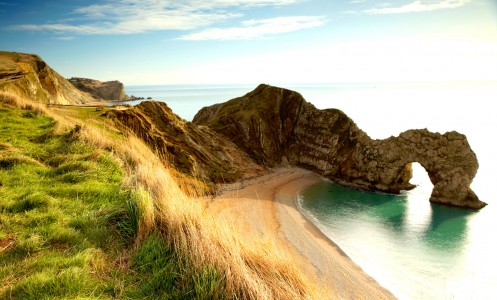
(108, 90)
(29, 76)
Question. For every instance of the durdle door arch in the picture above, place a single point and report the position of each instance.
(274, 126)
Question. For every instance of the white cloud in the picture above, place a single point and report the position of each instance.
(55, 27)
(65, 38)
(257, 29)
(419, 6)
(137, 16)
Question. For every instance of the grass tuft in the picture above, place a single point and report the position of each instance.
(30, 201)
(126, 221)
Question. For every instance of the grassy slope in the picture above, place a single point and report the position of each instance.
(61, 204)
(86, 212)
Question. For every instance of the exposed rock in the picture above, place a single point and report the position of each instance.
(275, 126)
(132, 98)
(27, 75)
(108, 90)
(193, 150)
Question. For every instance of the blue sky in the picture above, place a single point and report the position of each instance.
(272, 41)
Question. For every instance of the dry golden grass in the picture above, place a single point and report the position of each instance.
(249, 267)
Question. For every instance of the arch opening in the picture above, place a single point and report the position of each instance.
(420, 177)
(418, 207)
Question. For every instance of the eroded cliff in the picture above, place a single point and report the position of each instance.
(108, 90)
(195, 151)
(277, 126)
(29, 76)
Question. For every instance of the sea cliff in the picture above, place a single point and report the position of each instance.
(276, 126)
(27, 75)
(108, 90)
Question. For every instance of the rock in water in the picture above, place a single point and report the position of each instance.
(27, 75)
(275, 125)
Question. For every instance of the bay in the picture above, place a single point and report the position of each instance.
(413, 248)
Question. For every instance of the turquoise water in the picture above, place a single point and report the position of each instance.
(414, 249)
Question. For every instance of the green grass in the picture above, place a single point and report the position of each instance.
(65, 218)
(166, 274)
(68, 226)
(92, 116)
(87, 113)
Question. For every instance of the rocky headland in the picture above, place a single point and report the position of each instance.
(27, 75)
(108, 90)
(276, 126)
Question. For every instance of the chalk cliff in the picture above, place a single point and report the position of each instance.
(277, 126)
(29, 76)
(108, 90)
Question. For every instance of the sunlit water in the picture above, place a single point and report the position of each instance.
(414, 249)
(186, 100)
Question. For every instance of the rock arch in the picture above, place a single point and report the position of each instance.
(449, 162)
(275, 126)
(447, 158)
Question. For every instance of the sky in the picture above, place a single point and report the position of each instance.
(142, 42)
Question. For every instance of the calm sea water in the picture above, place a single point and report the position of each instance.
(187, 100)
(415, 249)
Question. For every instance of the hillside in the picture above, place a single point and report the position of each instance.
(27, 75)
(63, 212)
(87, 210)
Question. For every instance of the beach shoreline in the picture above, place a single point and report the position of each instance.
(266, 205)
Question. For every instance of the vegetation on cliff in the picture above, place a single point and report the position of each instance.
(194, 151)
(90, 211)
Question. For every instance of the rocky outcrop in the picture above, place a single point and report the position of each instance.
(195, 151)
(276, 126)
(108, 90)
(27, 75)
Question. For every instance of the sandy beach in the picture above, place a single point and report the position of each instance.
(266, 206)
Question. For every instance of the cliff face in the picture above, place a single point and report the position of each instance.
(108, 90)
(195, 151)
(277, 126)
(29, 76)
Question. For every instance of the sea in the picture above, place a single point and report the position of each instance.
(415, 249)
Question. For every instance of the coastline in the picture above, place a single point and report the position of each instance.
(266, 205)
